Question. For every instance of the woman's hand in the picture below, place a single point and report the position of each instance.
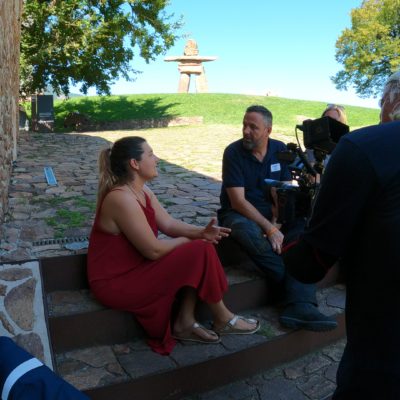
(214, 233)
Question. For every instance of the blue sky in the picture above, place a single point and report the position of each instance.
(283, 46)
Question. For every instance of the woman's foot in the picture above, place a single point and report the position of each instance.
(238, 325)
(196, 333)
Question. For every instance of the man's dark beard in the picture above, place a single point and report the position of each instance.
(248, 144)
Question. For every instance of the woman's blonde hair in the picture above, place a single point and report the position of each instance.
(114, 164)
(340, 111)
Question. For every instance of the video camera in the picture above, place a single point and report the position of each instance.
(321, 136)
(296, 200)
(322, 133)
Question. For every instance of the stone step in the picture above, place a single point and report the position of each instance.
(76, 319)
(69, 272)
(103, 351)
(119, 370)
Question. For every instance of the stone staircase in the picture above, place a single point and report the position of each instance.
(103, 353)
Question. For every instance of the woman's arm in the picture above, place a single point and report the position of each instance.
(121, 212)
(174, 228)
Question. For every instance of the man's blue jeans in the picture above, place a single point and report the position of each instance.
(251, 238)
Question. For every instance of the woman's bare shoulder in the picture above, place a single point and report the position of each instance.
(118, 207)
(118, 197)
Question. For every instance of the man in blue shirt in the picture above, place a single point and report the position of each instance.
(245, 209)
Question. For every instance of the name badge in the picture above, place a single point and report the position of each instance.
(275, 167)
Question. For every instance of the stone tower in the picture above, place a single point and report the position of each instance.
(190, 63)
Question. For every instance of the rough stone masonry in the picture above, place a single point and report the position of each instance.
(10, 16)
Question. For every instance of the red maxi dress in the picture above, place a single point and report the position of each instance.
(122, 278)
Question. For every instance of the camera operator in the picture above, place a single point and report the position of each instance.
(336, 112)
(247, 211)
(356, 218)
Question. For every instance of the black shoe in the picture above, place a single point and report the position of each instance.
(306, 316)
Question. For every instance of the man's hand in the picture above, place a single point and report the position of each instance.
(275, 237)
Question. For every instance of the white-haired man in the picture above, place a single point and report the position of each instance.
(356, 218)
(390, 102)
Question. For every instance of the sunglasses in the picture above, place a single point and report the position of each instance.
(334, 106)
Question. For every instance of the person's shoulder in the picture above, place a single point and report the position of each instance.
(234, 147)
(376, 145)
(375, 134)
(386, 127)
(116, 192)
(276, 144)
(117, 197)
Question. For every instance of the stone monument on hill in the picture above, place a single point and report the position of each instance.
(191, 63)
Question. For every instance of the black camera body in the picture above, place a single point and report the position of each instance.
(296, 201)
(322, 134)
(293, 201)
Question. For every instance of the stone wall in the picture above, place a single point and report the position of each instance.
(10, 13)
(22, 310)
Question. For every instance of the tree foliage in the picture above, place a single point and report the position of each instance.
(90, 42)
(370, 50)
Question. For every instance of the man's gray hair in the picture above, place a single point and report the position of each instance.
(267, 115)
(392, 87)
(391, 93)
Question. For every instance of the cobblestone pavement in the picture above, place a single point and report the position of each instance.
(46, 220)
(311, 377)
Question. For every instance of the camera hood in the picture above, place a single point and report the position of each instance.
(323, 133)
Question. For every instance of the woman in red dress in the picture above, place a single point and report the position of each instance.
(130, 269)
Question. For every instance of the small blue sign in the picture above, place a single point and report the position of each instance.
(50, 177)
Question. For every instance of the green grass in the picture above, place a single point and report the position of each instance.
(166, 202)
(215, 108)
(52, 201)
(267, 331)
(82, 202)
(65, 218)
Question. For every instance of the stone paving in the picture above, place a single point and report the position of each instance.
(46, 220)
(310, 377)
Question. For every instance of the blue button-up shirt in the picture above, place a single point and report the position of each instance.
(240, 168)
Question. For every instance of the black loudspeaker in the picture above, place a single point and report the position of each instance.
(323, 133)
(42, 113)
